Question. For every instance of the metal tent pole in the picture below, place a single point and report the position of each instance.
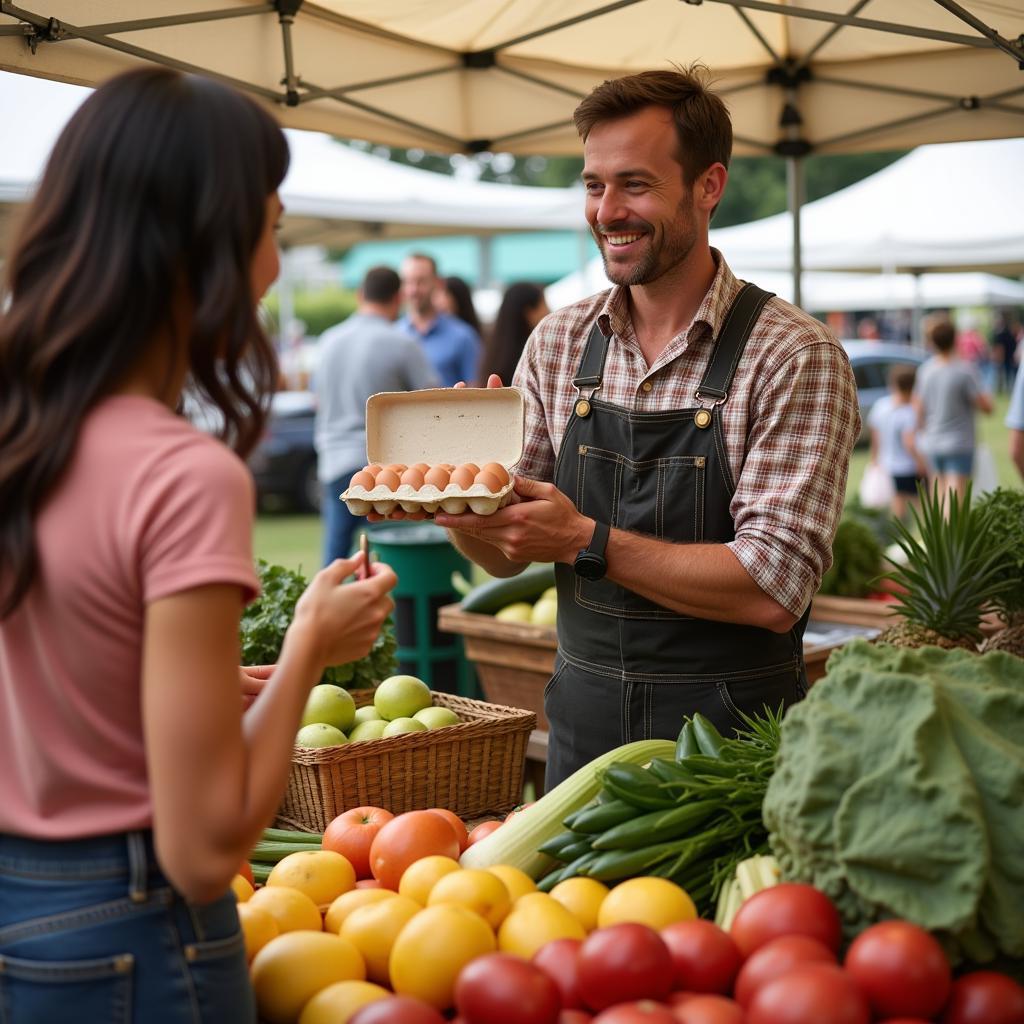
(795, 190)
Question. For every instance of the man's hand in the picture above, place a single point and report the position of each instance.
(542, 526)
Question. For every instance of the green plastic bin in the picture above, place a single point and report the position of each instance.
(424, 560)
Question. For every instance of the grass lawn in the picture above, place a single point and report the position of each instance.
(294, 540)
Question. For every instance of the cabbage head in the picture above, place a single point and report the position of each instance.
(899, 792)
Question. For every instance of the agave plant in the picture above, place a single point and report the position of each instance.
(953, 572)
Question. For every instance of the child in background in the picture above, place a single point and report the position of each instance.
(893, 423)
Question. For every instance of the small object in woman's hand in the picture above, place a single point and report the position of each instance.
(363, 571)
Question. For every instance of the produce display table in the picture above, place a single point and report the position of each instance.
(514, 661)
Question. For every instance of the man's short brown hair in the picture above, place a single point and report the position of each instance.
(942, 335)
(902, 377)
(381, 284)
(703, 125)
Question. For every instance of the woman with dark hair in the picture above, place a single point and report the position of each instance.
(522, 307)
(134, 787)
(454, 298)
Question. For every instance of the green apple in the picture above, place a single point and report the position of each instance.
(544, 613)
(401, 697)
(437, 717)
(398, 726)
(331, 704)
(551, 594)
(518, 612)
(319, 734)
(367, 714)
(372, 730)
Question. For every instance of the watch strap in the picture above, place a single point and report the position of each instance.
(600, 539)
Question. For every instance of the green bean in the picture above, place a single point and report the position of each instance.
(709, 739)
(686, 744)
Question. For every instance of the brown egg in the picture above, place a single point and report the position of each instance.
(397, 467)
(497, 470)
(489, 480)
(388, 478)
(363, 479)
(373, 469)
(446, 465)
(437, 477)
(462, 477)
(413, 477)
(423, 467)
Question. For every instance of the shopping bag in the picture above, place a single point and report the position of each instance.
(985, 476)
(876, 488)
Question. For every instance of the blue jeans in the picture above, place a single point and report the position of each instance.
(339, 524)
(958, 463)
(92, 933)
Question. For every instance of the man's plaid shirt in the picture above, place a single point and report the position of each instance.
(789, 423)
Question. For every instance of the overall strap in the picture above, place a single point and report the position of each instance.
(591, 368)
(731, 341)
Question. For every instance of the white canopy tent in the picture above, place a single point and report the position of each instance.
(800, 76)
(334, 195)
(834, 292)
(953, 207)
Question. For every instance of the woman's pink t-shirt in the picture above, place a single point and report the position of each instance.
(147, 507)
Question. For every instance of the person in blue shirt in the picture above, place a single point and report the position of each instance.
(451, 345)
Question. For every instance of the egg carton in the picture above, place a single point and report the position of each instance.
(426, 499)
(452, 426)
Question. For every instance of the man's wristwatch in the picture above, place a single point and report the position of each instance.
(590, 563)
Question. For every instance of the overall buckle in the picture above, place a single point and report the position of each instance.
(703, 416)
(582, 406)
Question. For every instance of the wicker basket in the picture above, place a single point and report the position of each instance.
(474, 768)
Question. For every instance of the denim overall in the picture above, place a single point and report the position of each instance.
(627, 668)
(92, 933)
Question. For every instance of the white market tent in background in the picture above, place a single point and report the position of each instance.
(800, 76)
(955, 207)
(334, 195)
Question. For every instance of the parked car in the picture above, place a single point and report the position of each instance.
(284, 462)
(871, 362)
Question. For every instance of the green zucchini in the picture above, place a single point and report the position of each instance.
(657, 827)
(599, 817)
(494, 595)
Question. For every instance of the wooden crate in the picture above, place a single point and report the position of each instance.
(514, 661)
(861, 611)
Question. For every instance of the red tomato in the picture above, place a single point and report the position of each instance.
(774, 959)
(352, 833)
(482, 831)
(407, 838)
(903, 1020)
(900, 968)
(501, 989)
(985, 997)
(456, 823)
(574, 1017)
(559, 959)
(708, 1009)
(397, 1010)
(786, 909)
(621, 963)
(809, 994)
(646, 1011)
(368, 883)
(706, 958)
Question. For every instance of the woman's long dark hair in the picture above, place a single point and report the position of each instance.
(155, 192)
(507, 337)
(463, 299)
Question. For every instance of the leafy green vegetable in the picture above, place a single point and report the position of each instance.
(1006, 524)
(266, 620)
(898, 792)
(856, 560)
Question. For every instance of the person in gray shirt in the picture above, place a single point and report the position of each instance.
(947, 396)
(360, 357)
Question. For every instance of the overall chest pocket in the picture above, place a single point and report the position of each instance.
(661, 498)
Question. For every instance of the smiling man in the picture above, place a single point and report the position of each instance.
(687, 444)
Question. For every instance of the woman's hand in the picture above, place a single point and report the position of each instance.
(252, 679)
(342, 620)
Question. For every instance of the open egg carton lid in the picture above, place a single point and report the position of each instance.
(441, 425)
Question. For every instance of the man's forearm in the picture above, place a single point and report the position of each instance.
(703, 580)
(487, 556)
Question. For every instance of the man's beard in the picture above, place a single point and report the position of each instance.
(675, 245)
